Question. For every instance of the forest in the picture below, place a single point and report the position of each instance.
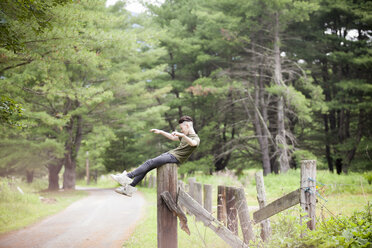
(268, 84)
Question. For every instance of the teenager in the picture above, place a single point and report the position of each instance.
(189, 142)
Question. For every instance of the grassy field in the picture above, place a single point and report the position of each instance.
(18, 210)
(342, 195)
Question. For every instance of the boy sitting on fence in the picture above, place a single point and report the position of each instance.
(189, 142)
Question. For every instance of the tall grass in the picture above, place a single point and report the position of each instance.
(18, 210)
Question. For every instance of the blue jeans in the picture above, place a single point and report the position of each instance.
(139, 173)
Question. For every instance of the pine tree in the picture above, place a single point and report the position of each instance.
(335, 46)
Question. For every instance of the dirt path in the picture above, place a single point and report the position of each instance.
(102, 219)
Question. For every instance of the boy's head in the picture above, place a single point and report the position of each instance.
(186, 124)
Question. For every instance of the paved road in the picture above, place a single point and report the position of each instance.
(102, 219)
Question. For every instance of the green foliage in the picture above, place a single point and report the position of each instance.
(93, 148)
(203, 165)
(287, 229)
(25, 153)
(295, 99)
(340, 231)
(10, 111)
(121, 75)
(26, 14)
(343, 231)
(300, 154)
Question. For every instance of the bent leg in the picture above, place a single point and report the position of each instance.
(139, 173)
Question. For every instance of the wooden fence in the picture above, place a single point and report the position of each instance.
(232, 207)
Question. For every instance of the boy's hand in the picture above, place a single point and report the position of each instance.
(178, 134)
(155, 131)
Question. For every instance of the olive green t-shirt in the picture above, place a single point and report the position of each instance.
(184, 150)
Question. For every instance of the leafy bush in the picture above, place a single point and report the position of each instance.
(340, 231)
(343, 231)
(368, 176)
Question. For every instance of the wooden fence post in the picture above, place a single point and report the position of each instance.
(308, 190)
(231, 211)
(181, 186)
(198, 193)
(208, 197)
(221, 204)
(261, 198)
(167, 222)
(209, 221)
(191, 181)
(243, 212)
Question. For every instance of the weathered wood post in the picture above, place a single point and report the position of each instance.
(209, 221)
(198, 193)
(221, 204)
(191, 181)
(207, 188)
(308, 190)
(181, 186)
(231, 211)
(167, 222)
(261, 198)
(243, 212)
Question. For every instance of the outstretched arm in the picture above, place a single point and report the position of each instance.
(165, 134)
(188, 140)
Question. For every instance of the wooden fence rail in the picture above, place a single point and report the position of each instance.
(231, 204)
(207, 218)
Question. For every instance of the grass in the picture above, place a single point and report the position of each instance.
(19, 210)
(344, 194)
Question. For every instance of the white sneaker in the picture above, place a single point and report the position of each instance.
(122, 178)
(126, 190)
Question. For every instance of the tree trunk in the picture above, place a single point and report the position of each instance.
(281, 135)
(72, 148)
(87, 169)
(69, 174)
(273, 129)
(29, 176)
(327, 118)
(281, 139)
(351, 153)
(260, 113)
(261, 133)
(328, 148)
(54, 169)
